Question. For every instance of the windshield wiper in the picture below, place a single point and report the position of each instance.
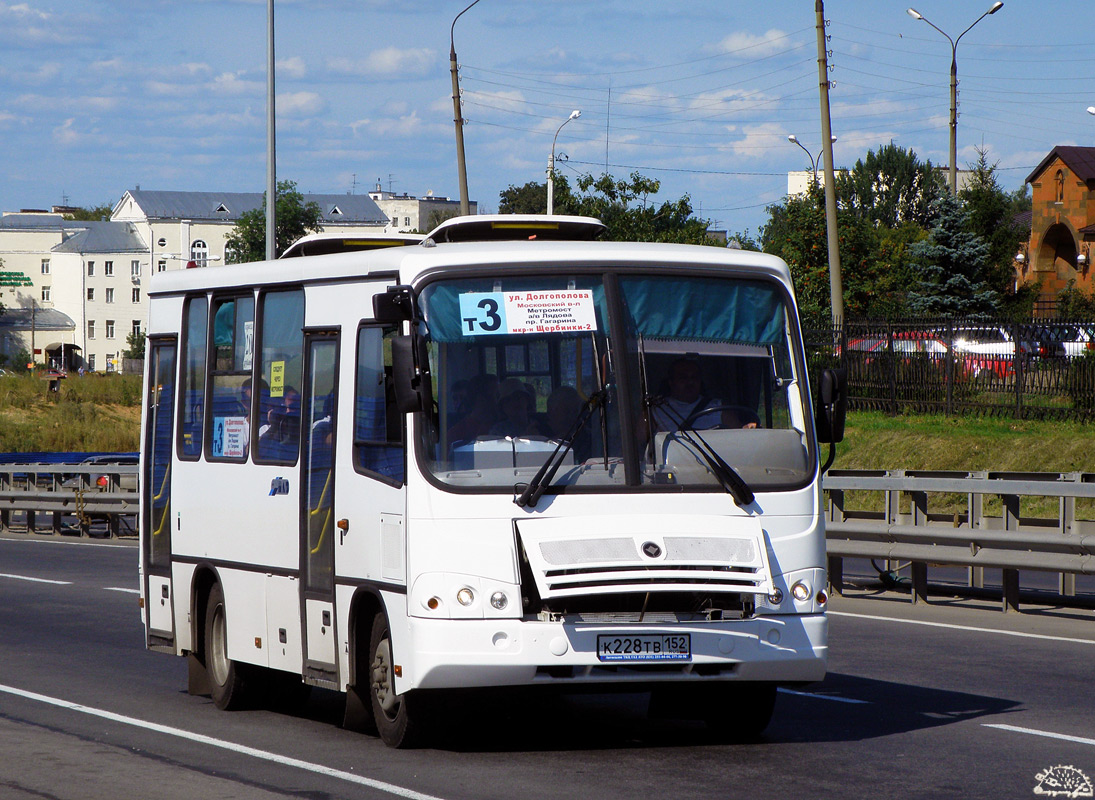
(726, 475)
(534, 490)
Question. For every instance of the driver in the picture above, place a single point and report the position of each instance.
(685, 397)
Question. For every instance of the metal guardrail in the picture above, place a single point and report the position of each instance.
(910, 531)
(77, 499)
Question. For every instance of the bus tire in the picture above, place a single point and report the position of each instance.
(227, 683)
(398, 717)
(739, 711)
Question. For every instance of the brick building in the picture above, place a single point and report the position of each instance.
(1062, 223)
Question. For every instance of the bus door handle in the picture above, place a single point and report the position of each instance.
(343, 526)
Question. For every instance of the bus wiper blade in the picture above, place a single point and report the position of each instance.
(726, 475)
(534, 490)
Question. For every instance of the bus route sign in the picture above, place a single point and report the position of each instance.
(552, 311)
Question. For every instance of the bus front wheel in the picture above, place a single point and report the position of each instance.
(398, 716)
(226, 680)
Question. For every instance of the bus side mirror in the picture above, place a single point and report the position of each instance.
(410, 374)
(832, 406)
(393, 306)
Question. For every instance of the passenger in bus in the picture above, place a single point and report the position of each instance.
(281, 436)
(685, 397)
(483, 413)
(517, 404)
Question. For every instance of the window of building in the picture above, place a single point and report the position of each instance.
(395, 222)
(135, 268)
(199, 252)
(406, 222)
(110, 329)
(90, 268)
(91, 329)
(45, 266)
(136, 295)
(110, 295)
(1060, 183)
(91, 362)
(110, 362)
(45, 294)
(108, 267)
(90, 295)
(136, 327)
(161, 265)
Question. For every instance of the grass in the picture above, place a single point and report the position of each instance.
(89, 413)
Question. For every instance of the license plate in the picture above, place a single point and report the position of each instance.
(645, 647)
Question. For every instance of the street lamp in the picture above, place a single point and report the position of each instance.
(1091, 109)
(458, 118)
(912, 12)
(551, 163)
(814, 162)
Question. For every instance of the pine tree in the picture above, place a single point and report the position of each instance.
(952, 267)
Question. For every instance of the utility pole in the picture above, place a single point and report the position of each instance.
(271, 170)
(836, 287)
(458, 118)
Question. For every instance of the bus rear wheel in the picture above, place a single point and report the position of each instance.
(226, 679)
(398, 717)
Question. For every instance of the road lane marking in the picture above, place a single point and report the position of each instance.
(968, 628)
(120, 589)
(832, 697)
(76, 543)
(1035, 732)
(319, 769)
(34, 580)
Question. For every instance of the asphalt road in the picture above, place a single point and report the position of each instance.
(952, 699)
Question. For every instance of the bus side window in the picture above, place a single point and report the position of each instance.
(232, 354)
(281, 356)
(378, 428)
(192, 407)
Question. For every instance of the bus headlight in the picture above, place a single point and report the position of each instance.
(465, 596)
(801, 592)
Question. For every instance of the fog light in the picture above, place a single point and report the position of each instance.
(465, 596)
(801, 592)
(775, 597)
(499, 600)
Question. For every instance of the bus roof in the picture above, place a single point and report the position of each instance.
(318, 244)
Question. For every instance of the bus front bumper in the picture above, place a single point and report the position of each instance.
(479, 653)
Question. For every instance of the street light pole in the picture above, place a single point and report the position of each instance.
(912, 12)
(271, 159)
(458, 118)
(814, 162)
(551, 163)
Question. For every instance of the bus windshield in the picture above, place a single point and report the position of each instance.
(641, 380)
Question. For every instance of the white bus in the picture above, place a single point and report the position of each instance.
(510, 455)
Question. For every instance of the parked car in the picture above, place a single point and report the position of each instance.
(992, 349)
(101, 480)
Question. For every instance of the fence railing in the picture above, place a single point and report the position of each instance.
(1022, 369)
(73, 499)
(906, 528)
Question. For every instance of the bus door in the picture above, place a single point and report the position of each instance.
(156, 484)
(317, 524)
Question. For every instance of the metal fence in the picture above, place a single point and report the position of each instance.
(908, 525)
(1023, 369)
(69, 499)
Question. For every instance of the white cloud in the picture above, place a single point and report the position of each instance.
(232, 83)
(748, 45)
(389, 61)
(65, 133)
(292, 67)
(300, 104)
(406, 125)
(758, 140)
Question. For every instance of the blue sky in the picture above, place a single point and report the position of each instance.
(98, 96)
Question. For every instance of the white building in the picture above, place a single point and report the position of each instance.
(94, 272)
(408, 213)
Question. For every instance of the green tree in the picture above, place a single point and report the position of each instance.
(295, 218)
(796, 231)
(890, 187)
(100, 213)
(626, 209)
(134, 345)
(532, 198)
(952, 267)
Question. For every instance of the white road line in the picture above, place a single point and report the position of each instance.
(968, 628)
(1047, 734)
(44, 540)
(120, 589)
(832, 697)
(264, 755)
(35, 580)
